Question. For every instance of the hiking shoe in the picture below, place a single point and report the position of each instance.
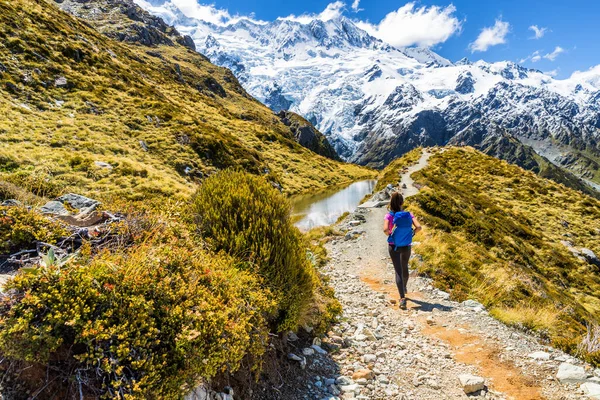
(403, 304)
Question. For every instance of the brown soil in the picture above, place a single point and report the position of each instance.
(471, 349)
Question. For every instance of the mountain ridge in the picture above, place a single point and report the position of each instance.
(346, 94)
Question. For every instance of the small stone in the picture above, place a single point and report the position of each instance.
(61, 82)
(292, 337)
(369, 358)
(294, 357)
(318, 349)
(539, 355)
(343, 380)
(102, 164)
(308, 351)
(569, 373)
(471, 383)
(362, 374)
(349, 388)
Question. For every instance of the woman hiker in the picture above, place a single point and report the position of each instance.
(398, 225)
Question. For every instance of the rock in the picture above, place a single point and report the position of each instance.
(308, 351)
(318, 349)
(569, 373)
(539, 355)
(471, 304)
(144, 145)
(369, 358)
(11, 203)
(471, 383)
(102, 164)
(349, 388)
(343, 380)
(55, 208)
(292, 337)
(77, 201)
(294, 357)
(61, 82)
(363, 374)
(187, 41)
(590, 256)
(354, 223)
(592, 390)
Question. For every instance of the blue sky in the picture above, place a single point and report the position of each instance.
(567, 39)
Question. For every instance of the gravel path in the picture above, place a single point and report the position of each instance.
(437, 349)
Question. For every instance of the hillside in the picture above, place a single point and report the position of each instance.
(523, 246)
(144, 117)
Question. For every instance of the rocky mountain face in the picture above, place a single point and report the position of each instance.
(307, 135)
(375, 102)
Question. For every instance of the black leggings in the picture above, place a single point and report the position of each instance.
(400, 259)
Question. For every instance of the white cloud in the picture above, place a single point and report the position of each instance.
(533, 57)
(332, 11)
(491, 36)
(208, 13)
(552, 56)
(355, 5)
(410, 25)
(538, 32)
(553, 72)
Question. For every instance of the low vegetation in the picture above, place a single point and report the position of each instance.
(507, 238)
(186, 294)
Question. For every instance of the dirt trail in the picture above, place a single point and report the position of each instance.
(424, 349)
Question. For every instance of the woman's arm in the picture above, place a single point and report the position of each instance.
(417, 225)
(386, 227)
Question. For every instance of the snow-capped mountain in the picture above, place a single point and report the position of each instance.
(374, 101)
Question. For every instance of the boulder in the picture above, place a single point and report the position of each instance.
(569, 373)
(77, 201)
(55, 208)
(471, 383)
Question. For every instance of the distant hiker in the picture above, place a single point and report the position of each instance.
(398, 225)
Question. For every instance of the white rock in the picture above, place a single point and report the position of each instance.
(569, 373)
(592, 390)
(349, 388)
(368, 358)
(471, 383)
(539, 355)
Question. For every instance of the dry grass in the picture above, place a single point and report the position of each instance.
(493, 233)
(118, 96)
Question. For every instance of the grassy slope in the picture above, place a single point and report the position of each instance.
(493, 234)
(118, 95)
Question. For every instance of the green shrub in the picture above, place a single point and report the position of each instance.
(148, 323)
(20, 227)
(246, 217)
